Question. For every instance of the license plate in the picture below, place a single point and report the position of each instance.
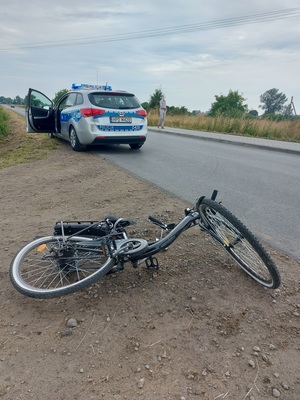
(118, 120)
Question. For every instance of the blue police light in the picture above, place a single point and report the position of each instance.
(90, 87)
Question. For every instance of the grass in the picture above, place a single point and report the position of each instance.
(3, 123)
(17, 146)
(288, 130)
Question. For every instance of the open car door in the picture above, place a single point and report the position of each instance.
(40, 116)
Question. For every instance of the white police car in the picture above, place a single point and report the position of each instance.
(89, 115)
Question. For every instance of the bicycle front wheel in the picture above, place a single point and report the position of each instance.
(54, 266)
(240, 243)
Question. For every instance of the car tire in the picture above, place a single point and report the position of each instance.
(136, 146)
(74, 141)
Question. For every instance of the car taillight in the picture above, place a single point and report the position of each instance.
(142, 113)
(91, 112)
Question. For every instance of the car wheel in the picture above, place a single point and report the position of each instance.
(74, 141)
(136, 146)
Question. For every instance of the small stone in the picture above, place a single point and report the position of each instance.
(251, 363)
(256, 349)
(276, 393)
(81, 370)
(141, 383)
(65, 333)
(285, 386)
(265, 358)
(72, 323)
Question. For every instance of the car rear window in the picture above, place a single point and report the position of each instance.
(116, 101)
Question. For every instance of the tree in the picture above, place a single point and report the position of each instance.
(59, 94)
(253, 113)
(18, 100)
(155, 99)
(145, 105)
(273, 101)
(172, 110)
(230, 105)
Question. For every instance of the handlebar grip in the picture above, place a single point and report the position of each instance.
(157, 221)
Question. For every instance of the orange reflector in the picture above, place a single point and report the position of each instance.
(226, 241)
(41, 247)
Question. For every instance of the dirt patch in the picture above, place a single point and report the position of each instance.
(198, 328)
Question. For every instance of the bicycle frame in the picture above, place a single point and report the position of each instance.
(187, 222)
(191, 219)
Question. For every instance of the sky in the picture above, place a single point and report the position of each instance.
(192, 50)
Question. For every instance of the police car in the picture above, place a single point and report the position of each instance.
(89, 115)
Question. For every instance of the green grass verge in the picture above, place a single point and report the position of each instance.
(19, 147)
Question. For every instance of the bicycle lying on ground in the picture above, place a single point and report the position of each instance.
(80, 253)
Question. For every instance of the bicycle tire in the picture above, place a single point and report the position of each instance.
(55, 266)
(239, 243)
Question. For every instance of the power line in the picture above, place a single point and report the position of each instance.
(190, 28)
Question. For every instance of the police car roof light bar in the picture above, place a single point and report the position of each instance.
(90, 87)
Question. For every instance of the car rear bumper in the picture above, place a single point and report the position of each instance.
(118, 139)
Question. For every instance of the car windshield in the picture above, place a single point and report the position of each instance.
(116, 101)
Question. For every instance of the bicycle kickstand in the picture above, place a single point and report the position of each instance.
(152, 262)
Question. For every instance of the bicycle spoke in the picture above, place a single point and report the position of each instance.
(240, 243)
(57, 266)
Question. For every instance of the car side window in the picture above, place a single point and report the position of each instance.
(79, 99)
(71, 100)
(39, 100)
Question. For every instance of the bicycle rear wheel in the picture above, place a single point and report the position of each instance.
(54, 266)
(240, 243)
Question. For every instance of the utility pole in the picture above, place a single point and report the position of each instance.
(293, 105)
(291, 108)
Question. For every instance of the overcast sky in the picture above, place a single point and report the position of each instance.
(190, 49)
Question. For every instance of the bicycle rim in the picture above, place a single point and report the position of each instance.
(240, 243)
(55, 266)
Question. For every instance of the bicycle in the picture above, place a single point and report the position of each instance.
(79, 253)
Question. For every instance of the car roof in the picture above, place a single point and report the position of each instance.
(99, 91)
(87, 88)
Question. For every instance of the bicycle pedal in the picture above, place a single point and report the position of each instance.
(152, 263)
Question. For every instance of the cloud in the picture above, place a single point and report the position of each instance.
(192, 49)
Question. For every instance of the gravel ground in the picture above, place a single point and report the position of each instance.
(198, 328)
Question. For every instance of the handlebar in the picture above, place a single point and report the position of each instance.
(161, 224)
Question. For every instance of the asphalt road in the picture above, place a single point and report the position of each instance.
(261, 187)
(19, 110)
